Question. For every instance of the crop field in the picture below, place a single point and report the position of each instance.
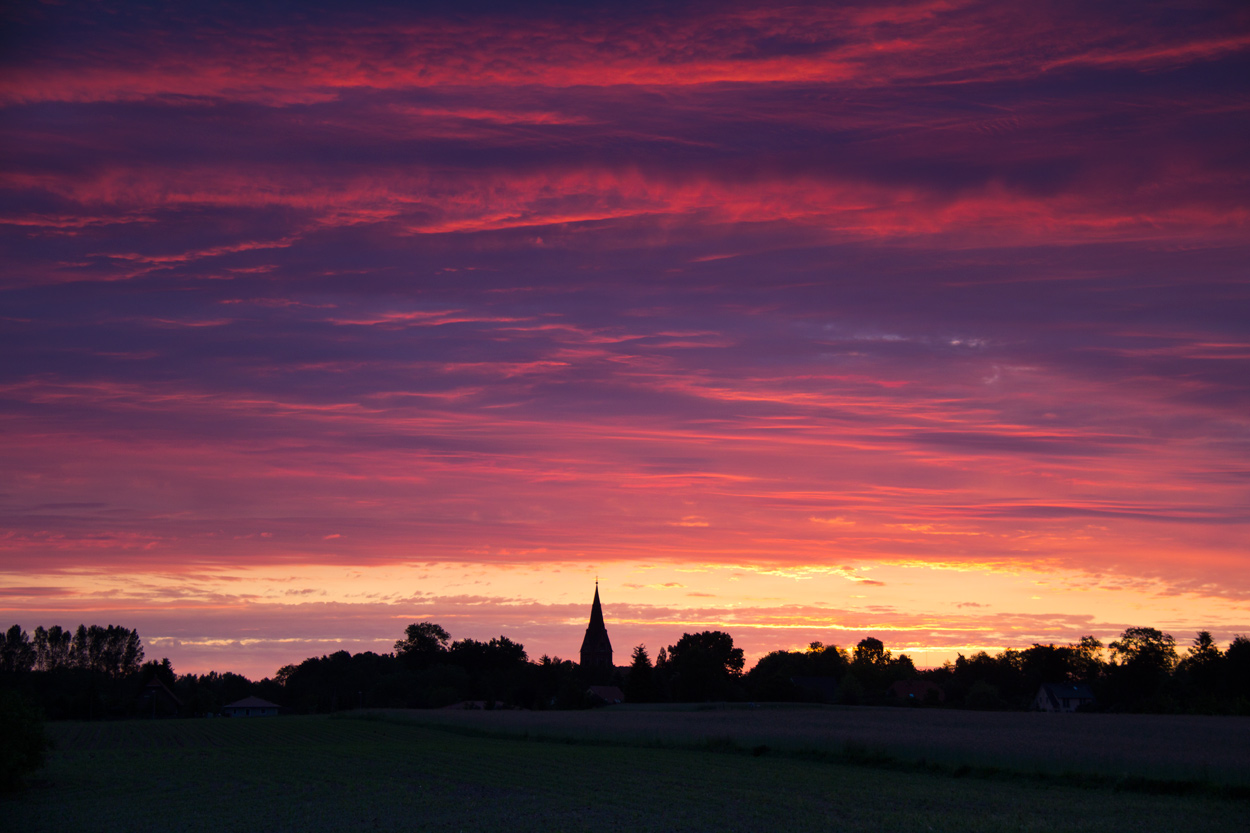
(370, 772)
(1174, 747)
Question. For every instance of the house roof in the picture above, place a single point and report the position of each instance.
(608, 693)
(252, 703)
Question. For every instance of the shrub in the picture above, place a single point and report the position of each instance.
(22, 740)
(983, 695)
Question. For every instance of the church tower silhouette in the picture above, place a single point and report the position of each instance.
(596, 647)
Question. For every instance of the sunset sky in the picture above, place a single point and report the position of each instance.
(925, 320)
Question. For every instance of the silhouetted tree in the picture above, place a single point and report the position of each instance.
(984, 696)
(1053, 664)
(424, 644)
(984, 681)
(114, 651)
(500, 653)
(17, 655)
(660, 676)
(343, 681)
(89, 673)
(825, 660)
(425, 672)
(209, 693)
(1087, 659)
(497, 669)
(772, 678)
(872, 670)
(640, 683)
(704, 666)
(870, 652)
(163, 671)
(559, 684)
(1148, 646)
(1237, 675)
(52, 648)
(1200, 675)
(1142, 662)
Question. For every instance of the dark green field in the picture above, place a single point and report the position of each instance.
(359, 773)
(1097, 745)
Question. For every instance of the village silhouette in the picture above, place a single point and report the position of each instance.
(407, 739)
(97, 672)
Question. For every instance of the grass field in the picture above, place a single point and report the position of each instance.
(361, 773)
(1167, 747)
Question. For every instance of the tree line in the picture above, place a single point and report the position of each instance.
(1142, 671)
(95, 672)
(112, 650)
(90, 672)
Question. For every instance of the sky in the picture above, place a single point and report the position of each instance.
(928, 321)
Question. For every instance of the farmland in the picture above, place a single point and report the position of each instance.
(568, 771)
(1185, 747)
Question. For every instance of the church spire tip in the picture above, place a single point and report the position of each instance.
(596, 647)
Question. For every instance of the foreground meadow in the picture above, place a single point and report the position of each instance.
(362, 772)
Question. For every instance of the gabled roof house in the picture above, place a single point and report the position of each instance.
(1063, 697)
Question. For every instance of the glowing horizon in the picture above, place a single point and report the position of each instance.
(925, 320)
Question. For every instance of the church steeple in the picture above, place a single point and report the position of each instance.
(596, 647)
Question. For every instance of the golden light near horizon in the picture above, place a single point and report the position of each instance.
(931, 612)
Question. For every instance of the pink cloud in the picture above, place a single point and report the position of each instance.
(901, 43)
(940, 285)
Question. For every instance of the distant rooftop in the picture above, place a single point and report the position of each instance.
(253, 703)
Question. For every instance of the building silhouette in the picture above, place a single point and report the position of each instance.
(596, 647)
